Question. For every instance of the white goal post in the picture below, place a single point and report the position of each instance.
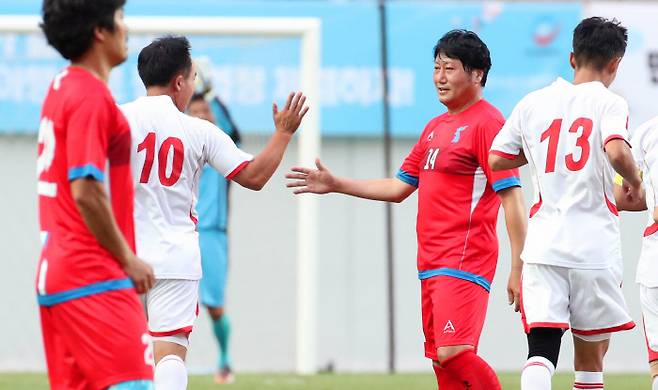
(308, 30)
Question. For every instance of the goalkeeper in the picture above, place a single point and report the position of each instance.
(212, 208)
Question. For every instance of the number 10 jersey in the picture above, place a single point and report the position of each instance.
(168, 154)
(562, 130)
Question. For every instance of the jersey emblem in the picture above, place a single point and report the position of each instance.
(429, 137)
(458, 133)
(449, 328)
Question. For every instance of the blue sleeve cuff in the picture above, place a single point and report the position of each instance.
(506, 183)
(407, 178)
(86, 171)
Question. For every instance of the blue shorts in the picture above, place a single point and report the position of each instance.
(214, 263)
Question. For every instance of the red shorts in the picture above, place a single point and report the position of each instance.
(96, 341)
(453, 312)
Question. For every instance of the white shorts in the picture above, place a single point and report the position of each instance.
(589, 301)
(172, 306)
(649, 300)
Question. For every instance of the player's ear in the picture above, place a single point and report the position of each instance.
(477, 76)
(572, 60)
(99, 34)
(178, 82)
(613, 65)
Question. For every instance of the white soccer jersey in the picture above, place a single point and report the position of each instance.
(562, 130)
(645, 151)
(169, 151)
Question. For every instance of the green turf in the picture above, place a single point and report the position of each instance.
(342, 382)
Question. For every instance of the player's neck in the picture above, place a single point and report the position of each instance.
(464, 104)
(95, 64)
(587, 75)
(157, 90)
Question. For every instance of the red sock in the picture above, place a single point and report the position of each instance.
(472, 371)
(445, 379)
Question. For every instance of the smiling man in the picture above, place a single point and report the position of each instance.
(458, 202)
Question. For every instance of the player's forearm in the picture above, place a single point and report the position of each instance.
(516, 222)
(621, 159)
(259, 171)
(499, 163)
(96, 211)
(387, 190)
(627, 169)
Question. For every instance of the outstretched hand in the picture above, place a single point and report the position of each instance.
(315, 181)
(289, 119)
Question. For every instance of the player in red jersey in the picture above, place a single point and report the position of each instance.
(93, 324)
(458, 202)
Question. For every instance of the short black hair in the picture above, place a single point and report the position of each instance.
(163, 59)
(466, 47)
(69, 24)
(596, 41)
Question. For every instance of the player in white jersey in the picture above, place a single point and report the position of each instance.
(574, 136)
(169, 152)
(645, 150)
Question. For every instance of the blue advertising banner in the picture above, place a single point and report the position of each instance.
(529, 43)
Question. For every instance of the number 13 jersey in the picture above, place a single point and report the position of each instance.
(562, 130)
(168, 154)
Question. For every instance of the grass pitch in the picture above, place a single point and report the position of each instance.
(426, 381)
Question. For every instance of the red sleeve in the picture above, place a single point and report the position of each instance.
(87, 136)
(499, 180)
(410, 169)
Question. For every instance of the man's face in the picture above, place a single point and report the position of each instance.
(118, 39)
(453, 83)
(201, 109)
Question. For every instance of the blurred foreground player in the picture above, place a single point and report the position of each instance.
(574, 136)
(458, 202)
(93, 324)
(170, 149)
(213, 208)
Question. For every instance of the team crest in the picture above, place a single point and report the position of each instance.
(429, 137)
(449, 328)
(458, 133)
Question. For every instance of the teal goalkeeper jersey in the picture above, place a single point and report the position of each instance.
(212, 206)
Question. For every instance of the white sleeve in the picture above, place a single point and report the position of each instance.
(614, 121)
(508, 141)
(221, 152)
(637, 147)
(648, 143)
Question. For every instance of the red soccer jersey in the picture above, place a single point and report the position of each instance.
(457, 201)
(81, 131)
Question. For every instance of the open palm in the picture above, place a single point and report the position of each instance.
(307, 180)
(290, 117)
